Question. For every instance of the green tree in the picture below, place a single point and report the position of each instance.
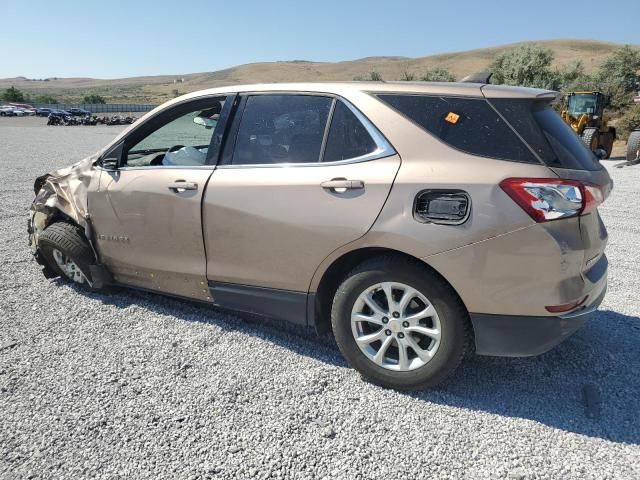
(375, 77)
(526, 66)
(438, 74)
(93, 98)
(624, 66)
(619, 76)
(12, 94)
(629, 121)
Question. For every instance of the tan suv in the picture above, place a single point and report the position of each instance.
(416, 220)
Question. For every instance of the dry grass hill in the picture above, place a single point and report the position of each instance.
(156, 89)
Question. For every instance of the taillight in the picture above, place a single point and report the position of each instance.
(546, 199)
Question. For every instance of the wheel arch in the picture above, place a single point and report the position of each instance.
(328, 281)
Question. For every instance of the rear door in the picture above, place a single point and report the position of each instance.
(300, 176)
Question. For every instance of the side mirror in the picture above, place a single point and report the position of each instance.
(600, 153)
(111, 158)
(110, 164)
(208, 123)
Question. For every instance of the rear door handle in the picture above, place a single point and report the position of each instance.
(182, 186)
(342, 185)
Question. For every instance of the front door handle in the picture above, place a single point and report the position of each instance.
(340, 185)
(182, 186)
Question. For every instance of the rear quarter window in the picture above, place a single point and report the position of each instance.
(547, 134)
(467, 124)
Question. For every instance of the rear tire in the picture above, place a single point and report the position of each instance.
(633, 146)
(411, 359)
(67, 252)
(591, 138)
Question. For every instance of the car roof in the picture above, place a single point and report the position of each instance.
(430, 88)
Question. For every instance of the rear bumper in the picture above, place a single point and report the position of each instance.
(524, 336)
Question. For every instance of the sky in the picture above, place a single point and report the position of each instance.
(119, 38)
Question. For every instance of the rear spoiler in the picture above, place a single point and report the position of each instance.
(478, 77)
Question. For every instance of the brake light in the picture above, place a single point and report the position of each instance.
(546, 199)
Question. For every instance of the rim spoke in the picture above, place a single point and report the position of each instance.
(407, 296)
(427, 312)
(371, 303)
(428, 332)
(361, 317)
(379, 356)
(388, 292)
(403, 357)
(372, 337)
(424, 355)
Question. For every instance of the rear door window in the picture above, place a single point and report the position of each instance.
(281, 129)
(547, 134)
(468, 124)
(348, 138)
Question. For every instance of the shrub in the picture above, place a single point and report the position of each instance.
(93, 98)
(45, 99)
(526, 66)
(408, 76)
(629, 121)
(438, 74)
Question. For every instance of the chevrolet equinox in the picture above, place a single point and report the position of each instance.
(417, 221)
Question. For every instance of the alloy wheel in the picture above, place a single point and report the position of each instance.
(395, 326)
(68, 267)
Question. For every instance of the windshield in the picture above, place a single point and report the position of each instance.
(547, 134)
(582, 103)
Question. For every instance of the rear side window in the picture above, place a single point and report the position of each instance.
(281, 129)
(348, 138)
(547, 134)
(468, 124)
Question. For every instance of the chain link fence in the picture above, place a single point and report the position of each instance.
(99, 107)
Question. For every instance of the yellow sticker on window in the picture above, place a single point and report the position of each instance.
(452, 118)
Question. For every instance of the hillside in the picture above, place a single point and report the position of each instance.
(155, 89)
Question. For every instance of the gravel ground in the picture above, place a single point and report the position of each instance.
(136, 385)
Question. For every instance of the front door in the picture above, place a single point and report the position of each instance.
(301, 176)
(147, 214)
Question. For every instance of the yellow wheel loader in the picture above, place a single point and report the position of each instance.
(584, 113)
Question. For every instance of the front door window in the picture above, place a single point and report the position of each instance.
(182, 141)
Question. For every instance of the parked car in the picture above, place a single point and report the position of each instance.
(79, 112)
(43, 112)
(23, 109)
(415, 221)
(7, 111)
(60, 113)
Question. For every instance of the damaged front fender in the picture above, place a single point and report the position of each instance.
(62, 193)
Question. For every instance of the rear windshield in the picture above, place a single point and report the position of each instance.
(547, 134)
(468, 124)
